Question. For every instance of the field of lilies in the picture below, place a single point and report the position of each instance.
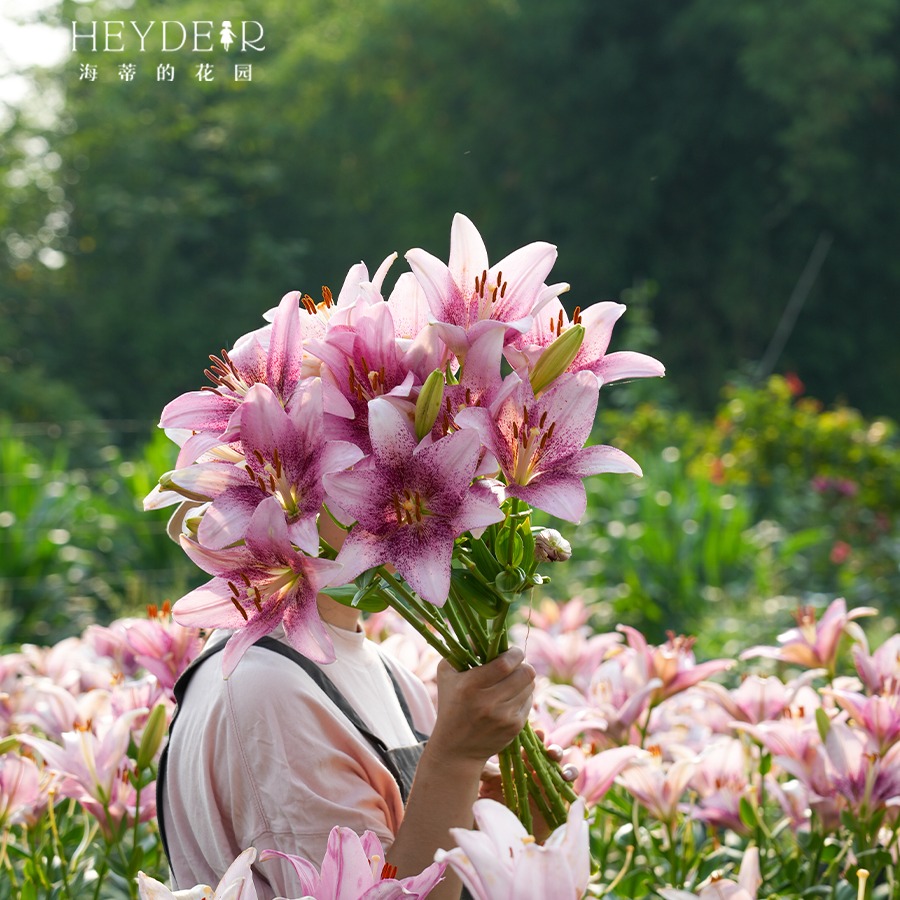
(773, 774)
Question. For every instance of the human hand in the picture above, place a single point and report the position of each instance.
(481, 710)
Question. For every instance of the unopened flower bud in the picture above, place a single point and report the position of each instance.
(556, 358)
(551, 546)
(429, 403)
(154, 732)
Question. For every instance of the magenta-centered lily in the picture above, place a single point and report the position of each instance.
(271, 355)
(469, 296)
(285, 457)
(539, 443)
(598, 321)
(410, 502)
(256, 586)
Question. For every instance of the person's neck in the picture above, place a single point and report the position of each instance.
(337, 614)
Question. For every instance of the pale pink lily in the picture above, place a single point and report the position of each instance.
(815, 643)
(20, 789)
(539, 443)
(162, 646)
(570, 657)
(598, 321)
(672, 663)
(659, 786)
(410, 502)
(598, 773)
(501, 861)
(719, 888)
(756, 699)
(469, 296)
(878, 715)
(272, 356)
(879, 671)
(354, 868)
(236, 884)
(94, 765)
(53, 710)
(609, 711)
(721, 780)
(845, 769)
(558, 618)
(258, 585)
(285, 457)
(480, 382)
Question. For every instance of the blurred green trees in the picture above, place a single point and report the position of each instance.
(701, 145)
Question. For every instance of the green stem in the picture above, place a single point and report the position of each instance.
(58, 847)
(499, 640)
(507, 779)
(463, 635)
(513, 526)
(476, 628)
(521, 786)
(454, 650)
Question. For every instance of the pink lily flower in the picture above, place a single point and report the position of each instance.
(756, 699)
(258, 585)
(354, 868)
(469, 296)
(815, 644)
(847, 771)
(271, 356)
(361, 364)
(719, 888)
(567, 658)
(501, 861)
(558, 618)
(879, 671)
(285, 457)
(410, 502)
(20, 790)
(598, 321)
(598, 773)
(720, 781)
(94, 769)
(162, 646)
(617, 696)
(539, 443)
(878, 715)
(421, 345)
(236, 884)
(672, 663)
(659, 786)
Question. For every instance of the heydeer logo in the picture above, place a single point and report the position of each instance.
(167, 36)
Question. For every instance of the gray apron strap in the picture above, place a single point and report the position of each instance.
(401, 762)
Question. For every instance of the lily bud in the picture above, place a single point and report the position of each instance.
(168, 483)
(556, 358)
(429, 403)
(551, 546)
(154, 731)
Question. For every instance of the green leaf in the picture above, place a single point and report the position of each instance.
(480, 597)
(503, 547)
(823, 723)
(484, 560)
(747, 813)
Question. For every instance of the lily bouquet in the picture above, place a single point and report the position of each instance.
(426, 427)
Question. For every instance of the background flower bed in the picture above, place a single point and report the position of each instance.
(694, 772)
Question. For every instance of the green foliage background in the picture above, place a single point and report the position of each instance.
(699, 145)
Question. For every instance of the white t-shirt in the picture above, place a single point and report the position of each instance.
(266, 760)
